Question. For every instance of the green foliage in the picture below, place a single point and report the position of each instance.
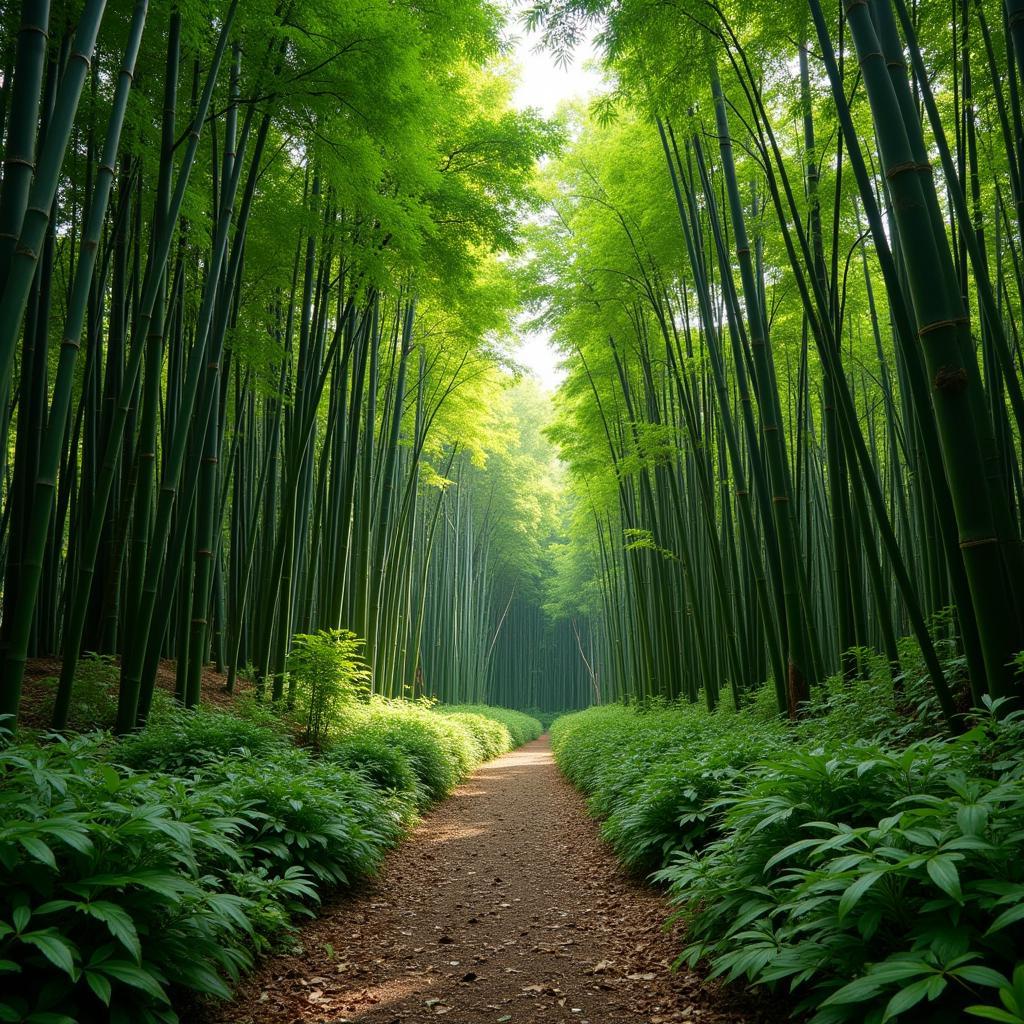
(873, 705)
(546, 718)
(93, 700)
(382, 764)
(294, 808)
(490, 738)
(106, 896)
(652, 773)
(327, 672)
(522, 726)
(1011, 995)
(440, 747)
(877, 877)
(179, 741)
(418, 734)
(172, 857)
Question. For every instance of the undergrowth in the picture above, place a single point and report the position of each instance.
(137, 869)
(856, 859)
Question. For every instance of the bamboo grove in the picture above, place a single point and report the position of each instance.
(783, 261)
(254, 291)
(260, 272)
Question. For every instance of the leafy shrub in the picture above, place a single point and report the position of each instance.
(178, 740)
(441, 744)
(522, 728)
(878, 879)
(294, 809)
(672, 806)
(652, 773)
(103, 901)
(546, 718)
(380, 763)
(897, 870)
(440, 752)
(116, 885)
(459, 743)
(875, 707)
(325, 672)
(490, 738)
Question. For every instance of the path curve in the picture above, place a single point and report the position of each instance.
(502, 906)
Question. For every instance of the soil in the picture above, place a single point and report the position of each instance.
(503, 906)
(40, 687)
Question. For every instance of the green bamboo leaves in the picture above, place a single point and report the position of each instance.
(865, 477)
(277, 279)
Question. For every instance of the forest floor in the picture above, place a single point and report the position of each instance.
(40, 686)
(502, 906)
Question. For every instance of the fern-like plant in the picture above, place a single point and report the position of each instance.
(325, 672)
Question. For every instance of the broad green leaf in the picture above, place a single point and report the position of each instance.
(134, 975)
(906, 998)
(972, 819)
(994, 1013)
(100, 985)
(978, 974)
(1006, 918)
(943, 872)
(855, 891)
(120, 923)
(57, 950)
(38, 849)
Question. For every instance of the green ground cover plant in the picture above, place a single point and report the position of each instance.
(521, 726)
(851, 859)
(135, 870)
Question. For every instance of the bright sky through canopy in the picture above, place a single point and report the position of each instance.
(545, 84)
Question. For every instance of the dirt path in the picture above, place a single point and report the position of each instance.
(503, 906)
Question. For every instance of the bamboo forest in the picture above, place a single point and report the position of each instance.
(511, 509)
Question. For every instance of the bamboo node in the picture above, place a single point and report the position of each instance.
(910, 165)
(950, 380)
(870, 55)
(981, 542)
(19, 161)
(939, 325)
(780, 499)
